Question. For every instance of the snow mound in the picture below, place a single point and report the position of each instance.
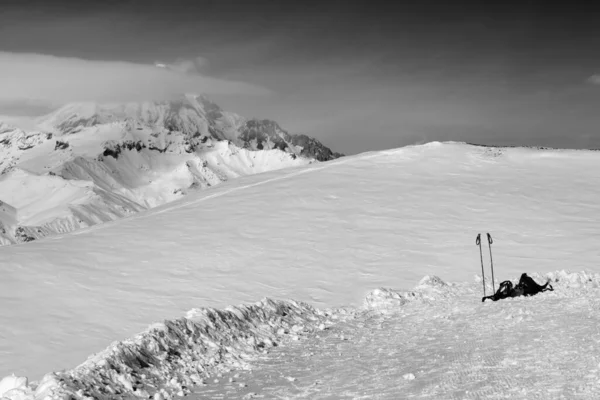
(429, 288)
(14, 388)
(171, 357)
(384, 300)
(573, 279)
(431, 282)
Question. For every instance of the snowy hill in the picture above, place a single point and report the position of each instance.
(92, 163)
(326, 234)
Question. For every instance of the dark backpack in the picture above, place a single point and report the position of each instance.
(526, 287)
(506, 289)
(530, 287)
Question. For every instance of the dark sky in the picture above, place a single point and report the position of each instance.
(358, 75)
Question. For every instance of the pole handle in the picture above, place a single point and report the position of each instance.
(478, 239)
(489, 237)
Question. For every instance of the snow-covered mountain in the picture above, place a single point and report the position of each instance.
(89, 163)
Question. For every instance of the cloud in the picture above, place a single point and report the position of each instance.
(46, 79)
(185, 66)
(594, 79)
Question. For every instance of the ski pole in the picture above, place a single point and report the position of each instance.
(490, 241)
(478, 243)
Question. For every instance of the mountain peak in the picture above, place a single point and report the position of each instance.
(191, 115)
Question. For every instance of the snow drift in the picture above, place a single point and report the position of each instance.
(171, 358)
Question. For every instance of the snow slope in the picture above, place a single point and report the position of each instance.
(90, 163)
(325, 233)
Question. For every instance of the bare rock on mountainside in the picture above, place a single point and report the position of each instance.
(259, 134)
(90, 163)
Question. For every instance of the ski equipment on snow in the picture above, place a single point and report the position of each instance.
(505, 289)
(490, 241)
(478, 243)
(526, 287)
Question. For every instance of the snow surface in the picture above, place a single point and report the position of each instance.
(326, 234)
(439, 344)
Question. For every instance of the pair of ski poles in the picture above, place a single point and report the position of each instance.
(478, 243)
